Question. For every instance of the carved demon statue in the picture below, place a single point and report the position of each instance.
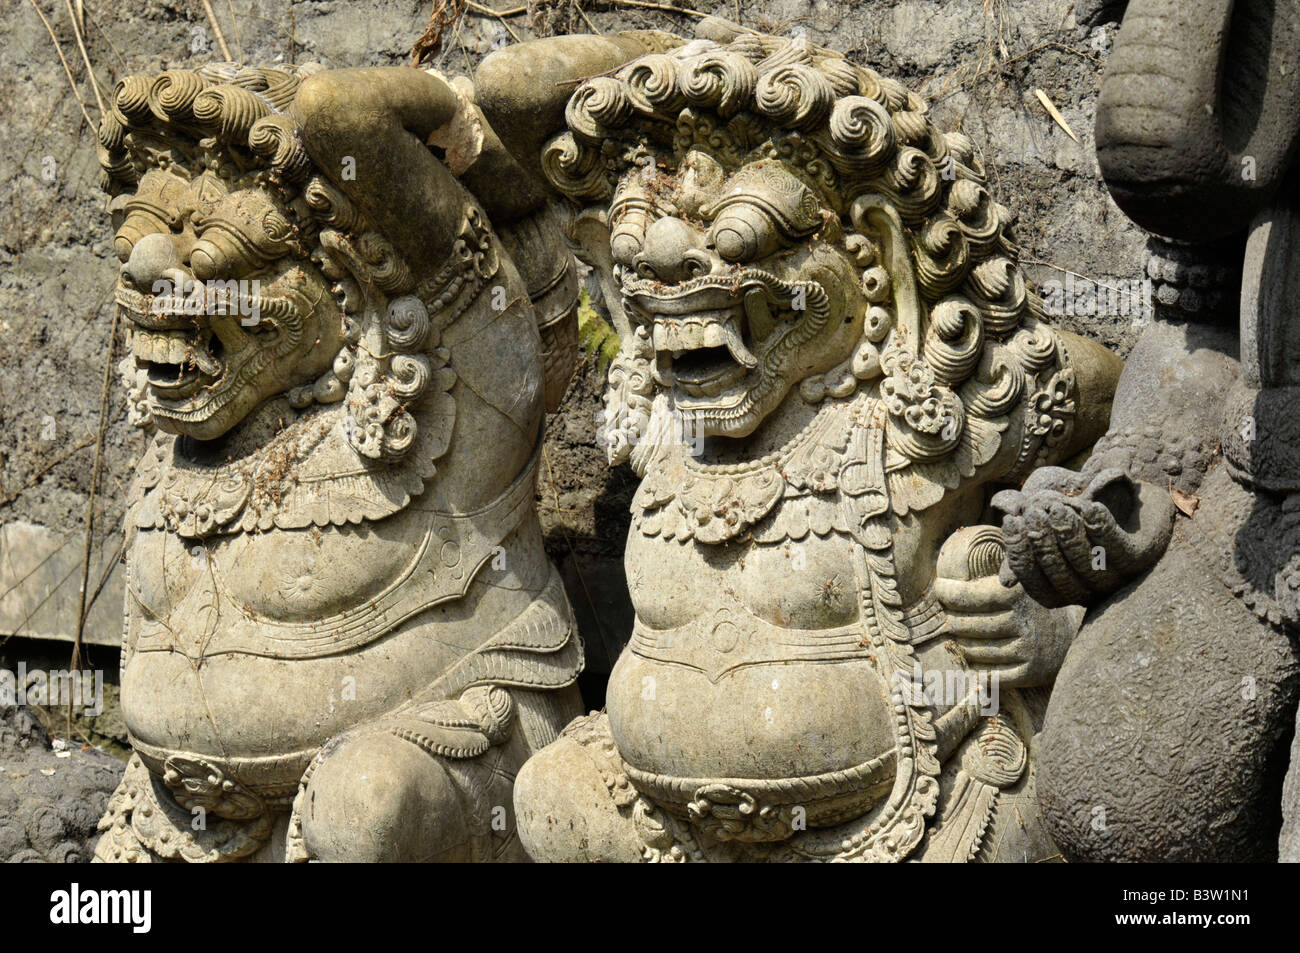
(343, 636)
(830, 357)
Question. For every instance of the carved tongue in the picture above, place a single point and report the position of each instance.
(226, 327)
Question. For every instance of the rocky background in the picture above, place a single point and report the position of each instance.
(987, 67)
(52, 792)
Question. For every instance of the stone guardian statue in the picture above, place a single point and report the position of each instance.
(830, 358)
(343, 636)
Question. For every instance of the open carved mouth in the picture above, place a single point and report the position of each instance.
(708, 332)
(178, 363)
(188, 356)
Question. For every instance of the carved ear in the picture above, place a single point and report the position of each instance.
(523, 89)
(874, 214)
(590, 232)
(367, 260)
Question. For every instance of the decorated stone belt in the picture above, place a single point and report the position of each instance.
(731, 637)
(826, 798)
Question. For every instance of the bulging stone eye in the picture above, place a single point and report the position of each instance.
(208, 260)
(122, 245)
(276, 227)
(743, 232)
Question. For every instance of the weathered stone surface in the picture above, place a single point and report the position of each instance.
(973, 83)
(343, 635)
(1167, 734)
(50, 800)
(58, 262)
(1289, 841)
(40, 576)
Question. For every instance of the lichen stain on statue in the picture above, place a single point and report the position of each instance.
(830, 356)
(343, 636)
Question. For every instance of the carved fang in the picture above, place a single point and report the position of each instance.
(736, 343)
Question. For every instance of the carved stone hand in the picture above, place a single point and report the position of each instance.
(1001, 630)
(1073, 536)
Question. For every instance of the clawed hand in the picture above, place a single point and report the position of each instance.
(1073, 536)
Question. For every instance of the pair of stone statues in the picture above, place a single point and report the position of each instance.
(352, 298)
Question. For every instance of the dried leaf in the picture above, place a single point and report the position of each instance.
(1185, 502)
(1055, 113)
(461, 139)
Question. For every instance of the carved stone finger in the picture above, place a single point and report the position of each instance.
(1078, 549)
(1010, 675)
(1063, 579)
(1022, 560)
(1006, 651)
(976, 595)
(1009, 502)
(1124, 552)
(982, 627)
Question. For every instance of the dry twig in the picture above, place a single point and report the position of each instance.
(216, 31)
(77, 31)
(94, 490)
(66, 69)
(444, 14)
(489, 12)
(666, 8)
(87, 15)
(587, 20)
(640, 4)
(44, 470)
(234, 25)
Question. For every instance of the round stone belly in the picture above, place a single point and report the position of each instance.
(237, 706)
(766, 721)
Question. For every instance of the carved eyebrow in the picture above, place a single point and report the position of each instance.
(796, 213)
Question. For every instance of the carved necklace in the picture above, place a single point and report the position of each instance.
(307, 475)
(682, 497)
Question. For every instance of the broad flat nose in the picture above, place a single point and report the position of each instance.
(151, 258)
(673, 251)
